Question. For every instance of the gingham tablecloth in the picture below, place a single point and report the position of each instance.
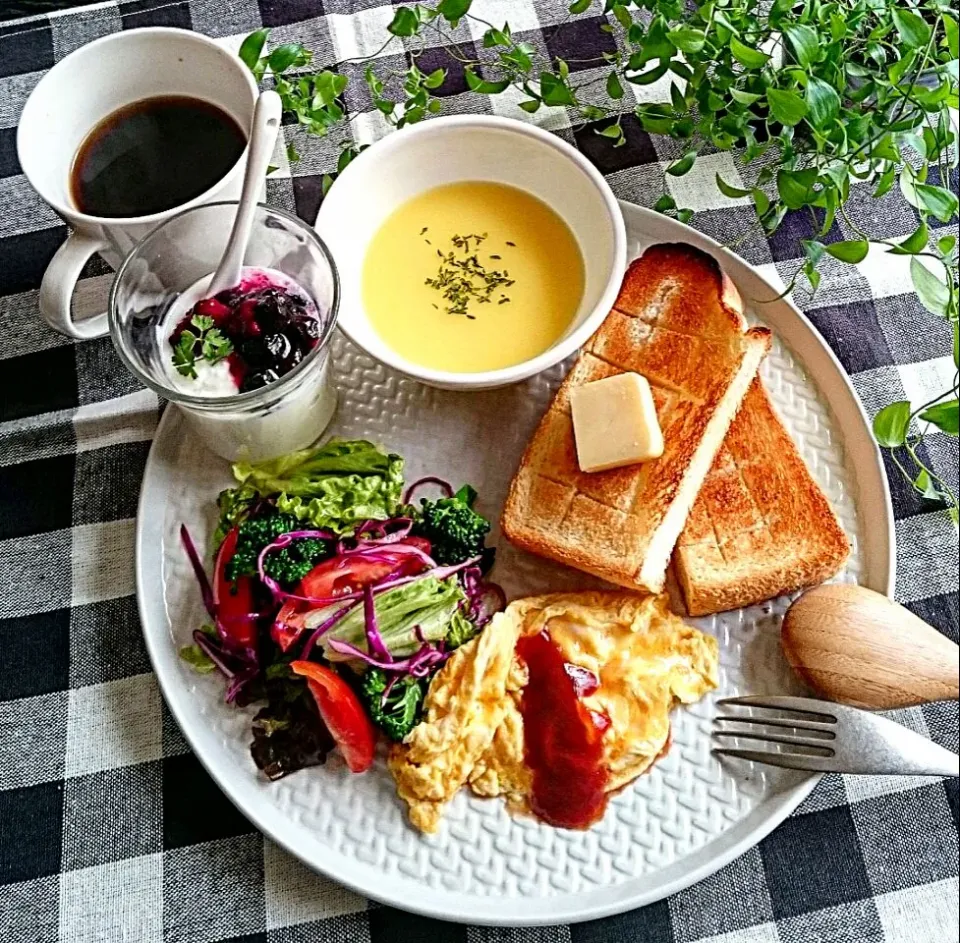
(109, 827)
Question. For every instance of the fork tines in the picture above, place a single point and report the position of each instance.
(808, 726)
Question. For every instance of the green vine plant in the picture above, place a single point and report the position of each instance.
(816, 96)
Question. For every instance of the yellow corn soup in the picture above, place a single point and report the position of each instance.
(471, 277)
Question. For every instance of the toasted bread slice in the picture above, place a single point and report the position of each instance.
(760, 527)
(679, 322)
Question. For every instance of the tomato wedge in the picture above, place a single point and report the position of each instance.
(234, 601)
(342, 712)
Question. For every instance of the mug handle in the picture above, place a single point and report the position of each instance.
(59, 283)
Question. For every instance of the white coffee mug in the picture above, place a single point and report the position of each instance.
(76, 95)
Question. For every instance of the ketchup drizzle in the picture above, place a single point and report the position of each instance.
(562, 743)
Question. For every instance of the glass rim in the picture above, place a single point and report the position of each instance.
(234, 400)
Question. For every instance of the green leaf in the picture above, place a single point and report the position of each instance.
(476, 84)
(688, 39)
(913, 30)
(925, 486)
(939, 201)
(934, 294)
(952, 31)
(677, 100)
(945, 416)
(946, 245)
(823, 102)
(651, 75)
(555, 91)
(406, 22)
(891, 424)
(453, 10)
(728, 190)
(804, 43)
(682, 166)
(530, 107)
(665, 204)
(786, 106)
(761, 201)
(796, 187)
(252, 47)
(956, 343)
(197, 659)
(914, 243)
(285, 56)
(615, 87)
(852, 251)
(745, 98)
(580, 6)
(684, 216)
(747, 57)
(435, 79)
(495, 37)
(613, 131)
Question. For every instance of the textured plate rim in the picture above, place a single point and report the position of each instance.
(873, 503)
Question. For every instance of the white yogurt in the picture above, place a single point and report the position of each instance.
(272, 423)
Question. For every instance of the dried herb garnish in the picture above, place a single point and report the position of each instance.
(465, 280)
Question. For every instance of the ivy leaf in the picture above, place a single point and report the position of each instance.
(913, 30)
(745, 98)
(747, 57)
(914, 243)
(804, 43)
(934, 295)
(435, 79)
(665, 204)
(823, 102)
(852, 251)
(952, 31)
(684, 216)
(406, 22)
(682, 166)
(252, 47)
(453, 10)
(956, 344)
(891, 424)
(688, 39)
(729, 190)
(477, 84)
(796, 187)
(285, 56)
(615, 87)
(786, 106)
(530, 107)
(925, 487)
(580, 6)
(945, 416)
(939, 201)
(555, 91)
(946, 245)
(651, 75)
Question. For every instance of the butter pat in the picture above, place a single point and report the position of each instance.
(615, 423)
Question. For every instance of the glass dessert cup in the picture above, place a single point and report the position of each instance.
(288, 414)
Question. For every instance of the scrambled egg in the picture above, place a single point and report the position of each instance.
(645, 660)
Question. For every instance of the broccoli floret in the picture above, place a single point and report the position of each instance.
(455, 530)
(401, 711)
(287, 566)
(460, 631)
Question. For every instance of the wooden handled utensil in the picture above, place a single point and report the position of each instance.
(857, 647)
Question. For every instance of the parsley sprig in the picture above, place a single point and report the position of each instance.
(207, 343)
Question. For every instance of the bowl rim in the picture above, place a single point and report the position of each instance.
(559, 351)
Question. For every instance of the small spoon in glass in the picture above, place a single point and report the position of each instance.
(263, 137)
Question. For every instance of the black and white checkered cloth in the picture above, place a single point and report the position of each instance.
(109, 828)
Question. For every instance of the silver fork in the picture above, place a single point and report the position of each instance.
(823, 737)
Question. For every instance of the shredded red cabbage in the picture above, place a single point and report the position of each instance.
(375, 642)
(445, 486)
(376, 533)
(323, 628)
(420, 665)
(239, 670)
(485, 599)
(206, 590)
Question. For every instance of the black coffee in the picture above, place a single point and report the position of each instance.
(154, 155)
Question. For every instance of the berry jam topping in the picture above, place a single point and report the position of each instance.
(261, 329)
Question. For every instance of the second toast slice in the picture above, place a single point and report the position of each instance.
(678, 321)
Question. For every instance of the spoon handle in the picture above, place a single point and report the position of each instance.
(263, 137)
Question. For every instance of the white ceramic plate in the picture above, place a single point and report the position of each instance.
(683, 821)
